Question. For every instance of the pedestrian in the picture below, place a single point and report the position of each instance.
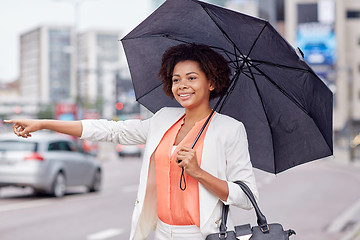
(178, 205)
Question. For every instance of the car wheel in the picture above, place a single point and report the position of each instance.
(59, 185)
(96, 183)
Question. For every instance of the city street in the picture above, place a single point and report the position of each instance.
(289, 70)
(319, 200)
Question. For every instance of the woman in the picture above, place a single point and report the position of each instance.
(192, 74)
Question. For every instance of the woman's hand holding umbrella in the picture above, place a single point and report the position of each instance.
(187, 159)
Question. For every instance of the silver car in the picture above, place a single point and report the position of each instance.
(47, 162)
(129, 150)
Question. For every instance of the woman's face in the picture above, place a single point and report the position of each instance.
(190, 85)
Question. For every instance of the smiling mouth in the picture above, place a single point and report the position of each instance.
(185, 95)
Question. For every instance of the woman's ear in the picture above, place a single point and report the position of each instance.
(211, 86)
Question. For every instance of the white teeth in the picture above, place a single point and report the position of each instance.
(184, 95)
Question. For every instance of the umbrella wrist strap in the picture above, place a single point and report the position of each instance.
(182, 180)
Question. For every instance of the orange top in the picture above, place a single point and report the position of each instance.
(174, 206)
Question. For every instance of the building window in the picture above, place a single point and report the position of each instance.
(280, 5)
(307, 12)
(353, 14)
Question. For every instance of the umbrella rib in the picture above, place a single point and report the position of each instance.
(227, 53)
(222, 30)
(168, 36)
(270, 63)
(252, 77)
(280, 89)
(138, 98)
(233, 82)
(279, 65)
(257, 38)
(213, 47)
(235, 63)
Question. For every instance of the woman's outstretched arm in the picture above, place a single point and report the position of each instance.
(24, 127)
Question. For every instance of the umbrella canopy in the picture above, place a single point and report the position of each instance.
(284, 105)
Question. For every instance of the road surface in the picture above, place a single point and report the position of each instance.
(319, 200)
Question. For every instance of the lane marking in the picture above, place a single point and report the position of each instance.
(105, 234)
(31, 204)
(340, 222)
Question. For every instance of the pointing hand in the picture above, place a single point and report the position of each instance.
(24, 127)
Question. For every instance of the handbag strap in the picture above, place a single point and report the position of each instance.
(261, 219)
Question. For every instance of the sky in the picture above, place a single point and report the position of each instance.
(20, 16)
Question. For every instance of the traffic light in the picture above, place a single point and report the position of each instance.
(119, 106)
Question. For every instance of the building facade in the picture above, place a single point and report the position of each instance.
(97, 50)
(47, 74)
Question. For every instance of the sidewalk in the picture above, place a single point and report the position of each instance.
(351, 218)
(354, 234)
(341, 157)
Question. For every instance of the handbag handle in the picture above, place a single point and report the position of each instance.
(261, 219)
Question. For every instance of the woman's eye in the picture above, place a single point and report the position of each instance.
(175, 80)
(192, 78)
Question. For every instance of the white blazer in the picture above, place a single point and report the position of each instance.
(225, 156)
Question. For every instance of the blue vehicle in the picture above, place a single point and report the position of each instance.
(318, 53)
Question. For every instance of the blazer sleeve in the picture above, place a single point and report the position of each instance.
(123, 132)
(239, 167)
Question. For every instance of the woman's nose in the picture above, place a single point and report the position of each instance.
(182, 84)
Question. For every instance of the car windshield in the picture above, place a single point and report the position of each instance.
(17, 146)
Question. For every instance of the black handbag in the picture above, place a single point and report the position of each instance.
(263, 231)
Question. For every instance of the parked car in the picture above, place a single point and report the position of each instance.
(129, 150)
(47, 162)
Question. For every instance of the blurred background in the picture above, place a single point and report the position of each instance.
(62, 59)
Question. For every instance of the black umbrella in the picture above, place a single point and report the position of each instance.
(285, 107)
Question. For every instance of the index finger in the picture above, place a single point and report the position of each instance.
(8, 121)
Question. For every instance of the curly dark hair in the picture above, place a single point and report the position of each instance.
(211, 63)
